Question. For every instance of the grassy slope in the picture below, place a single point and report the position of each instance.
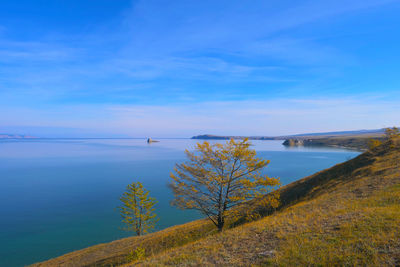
(116, 252)
(348, 214)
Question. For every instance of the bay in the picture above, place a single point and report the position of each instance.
(60, 195)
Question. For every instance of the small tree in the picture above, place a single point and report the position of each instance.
(219, 177)
(392, 132)
(137, 211)
(372, 143)
(392, 135)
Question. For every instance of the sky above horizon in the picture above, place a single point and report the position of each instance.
(181, 68)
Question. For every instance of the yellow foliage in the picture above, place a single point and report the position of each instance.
(374, 143)
(137, 210)
(136, 255)
(348, 215)
(345, 216)
(218, 177)
(392, 132)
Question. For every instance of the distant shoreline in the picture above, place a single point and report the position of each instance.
(374, 132)
(356, 140)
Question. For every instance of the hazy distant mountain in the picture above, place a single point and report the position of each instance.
(15, 136)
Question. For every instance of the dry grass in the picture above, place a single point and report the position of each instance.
(346, 215)
(350, 220)
(120, 251)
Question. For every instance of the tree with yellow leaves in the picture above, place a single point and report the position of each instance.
(392, 133)
(372, 143)
(137, 210)
(220, 177)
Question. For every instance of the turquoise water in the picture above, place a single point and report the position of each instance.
(61, 195)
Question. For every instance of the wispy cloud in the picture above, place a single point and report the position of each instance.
(222, 44)
(225, 67)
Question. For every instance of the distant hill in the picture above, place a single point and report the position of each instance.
(374, 132)
(227, 137)
(358, 142)
(359, 132)
(15, 136)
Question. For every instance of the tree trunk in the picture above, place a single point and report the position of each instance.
(220, 223)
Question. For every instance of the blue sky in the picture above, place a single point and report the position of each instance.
(181, 68)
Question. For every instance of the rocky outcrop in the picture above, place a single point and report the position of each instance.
(293, 142)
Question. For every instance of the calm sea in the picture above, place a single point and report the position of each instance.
(60, 195)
